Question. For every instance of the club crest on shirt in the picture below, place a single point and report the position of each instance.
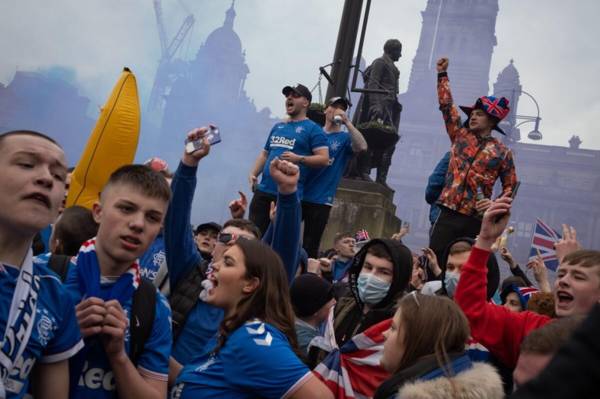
(299, 129)
(45, 325)
(335, 145)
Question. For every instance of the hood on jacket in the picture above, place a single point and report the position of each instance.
(493, 273)
(402, 264)
(481, 381)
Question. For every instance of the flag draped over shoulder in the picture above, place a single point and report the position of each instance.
(544, 238)
(353, 371)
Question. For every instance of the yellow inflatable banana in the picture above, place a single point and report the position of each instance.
(112, 144)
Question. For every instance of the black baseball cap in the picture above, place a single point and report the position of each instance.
(299, 89)
(338, 100)
(208, 226)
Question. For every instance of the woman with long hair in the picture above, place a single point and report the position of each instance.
(254, 352)
(425, 353)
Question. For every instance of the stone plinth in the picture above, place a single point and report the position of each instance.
(361, 205)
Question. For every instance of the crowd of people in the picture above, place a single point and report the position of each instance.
(128, 300)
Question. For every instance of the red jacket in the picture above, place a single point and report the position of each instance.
(495, 327)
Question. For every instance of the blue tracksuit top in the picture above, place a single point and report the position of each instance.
(182, 256)
(435, 184)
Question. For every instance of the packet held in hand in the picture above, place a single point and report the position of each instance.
(213, 135)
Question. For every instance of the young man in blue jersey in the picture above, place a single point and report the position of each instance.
(298, 140)
(104, 282)
(37, 319)
(321, 184)
(188, 269)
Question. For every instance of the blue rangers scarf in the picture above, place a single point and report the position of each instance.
(20, 319)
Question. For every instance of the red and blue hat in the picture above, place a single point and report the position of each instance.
(524, 294)
(496, 107)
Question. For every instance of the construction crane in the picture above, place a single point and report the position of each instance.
(165, 72)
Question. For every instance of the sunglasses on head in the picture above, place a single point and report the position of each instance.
(226, 238)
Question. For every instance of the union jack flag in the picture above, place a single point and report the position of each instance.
(353, 371)
(362, 235)
(544, 238)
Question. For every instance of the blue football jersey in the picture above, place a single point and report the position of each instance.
(299, 137)
(154, 256)
(90, 372)
(256, 361)
(321, 184)
(55, 335)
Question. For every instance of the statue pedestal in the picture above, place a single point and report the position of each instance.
(359, 205)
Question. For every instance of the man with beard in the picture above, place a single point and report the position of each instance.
(298, 140)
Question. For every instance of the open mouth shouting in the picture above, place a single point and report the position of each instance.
(289, 105)
(564, 299)
(212, 283)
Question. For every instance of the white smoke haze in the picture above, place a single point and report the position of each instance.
(553, 44)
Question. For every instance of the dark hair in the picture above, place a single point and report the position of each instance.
(270, 302)
(27, 133)
(379, 250)
(340, 236)
(244, 224)
(431, 325)
(75, 226)
(149, 182)
(548, 339)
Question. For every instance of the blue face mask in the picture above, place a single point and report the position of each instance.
(451, 281)
(371, 289)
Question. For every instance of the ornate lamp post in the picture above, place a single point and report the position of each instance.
(535, 134)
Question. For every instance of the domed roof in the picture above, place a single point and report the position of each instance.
(509, 74)
(224, 37)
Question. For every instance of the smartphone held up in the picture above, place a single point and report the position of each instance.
(213, 136)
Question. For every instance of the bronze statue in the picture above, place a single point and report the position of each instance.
(382, 108)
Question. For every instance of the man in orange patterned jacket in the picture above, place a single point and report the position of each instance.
(477, 160)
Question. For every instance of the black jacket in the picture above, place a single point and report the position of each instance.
(349, 318)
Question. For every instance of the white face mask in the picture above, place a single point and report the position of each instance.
(451, 281)
(372, 289)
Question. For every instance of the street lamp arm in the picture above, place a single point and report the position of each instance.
(534, 101)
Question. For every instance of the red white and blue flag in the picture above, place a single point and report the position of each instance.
(353, 371)
(362, 236)
(544, 238)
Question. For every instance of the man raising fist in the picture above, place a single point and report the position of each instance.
(477, 160)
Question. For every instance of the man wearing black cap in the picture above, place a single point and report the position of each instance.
(205, 236)
(321, 184)
(312, 298)
(298, 140)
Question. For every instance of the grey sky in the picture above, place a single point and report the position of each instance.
(553, 42)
